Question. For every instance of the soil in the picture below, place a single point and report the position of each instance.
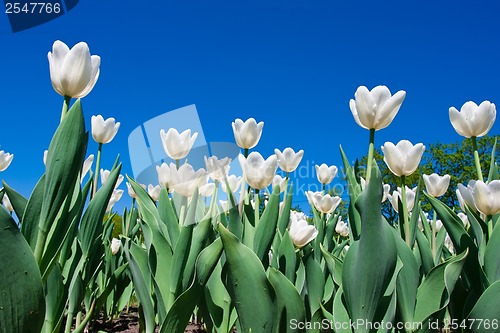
(128, 322)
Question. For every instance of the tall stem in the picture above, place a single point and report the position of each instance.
(476, 159)
(97, 168)
(370, 154)
(257, 206)
(433, 237)
(65, 107)
(177, 164)
(405, 211)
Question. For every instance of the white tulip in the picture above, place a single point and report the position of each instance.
(325, 173)
(154, 192)
(6, 203)
(375, 109)
(73, 72)
(105, 175)
(87, 164)
(104, 131)
(464, 218)
(439, 225)
(115, 245)
(217, 169)
(300, 231)
(342, 228)
(403, 158)
(289, 160)
(436, 185)
(410, 198)
(207, 190)
(5, 160)
(487, 197)
(310, 195)
(115, 197)
(258, 173)
(449, 244)
(280, 181)
(324, 203)
(45, 153)
(247, 134)
(233, 182)
(131, 191)
(185, 180)
(177, 146)
(465, 195)
(473, 120)
(164, 174)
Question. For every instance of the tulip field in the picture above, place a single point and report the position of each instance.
(231, 253)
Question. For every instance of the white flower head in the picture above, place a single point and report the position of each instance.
(325, 173)
(258, 173)
(177, 146)
(247, 134)
(104, 131)
(5, 160)
(473, 120)
(289, 160)
(403, 158)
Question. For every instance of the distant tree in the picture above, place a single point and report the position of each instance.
(455, 159)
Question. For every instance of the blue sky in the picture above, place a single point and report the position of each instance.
(292, 64)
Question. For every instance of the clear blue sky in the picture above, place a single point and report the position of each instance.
(292, 64)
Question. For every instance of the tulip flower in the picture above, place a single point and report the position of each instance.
(5, 160)
(325, 173)
(247, 134)
(164, 174)
(324, 203)
(45, 153)
(279, 181)
(74, 71)
(233, 182)
(105, 175)
(403, 158)
(6, 203)
(410, 198)
(288, 160)
(375, 109)
(473, 120)
(104, 131)
(465, 195)
(342, 228)
(258, 173)
(300, 231)
(207, 190)
(386, 187)
(487, 197)
(154, 192)
(177, 146)
(87, 164)
(115, 197)
(185, 180)
(115, 245)
(464, 218)
(436, 185)
(131, 191)
(217, 169)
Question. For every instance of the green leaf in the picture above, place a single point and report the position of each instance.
(248, 286)
(290, 305)
(31, 217)
(22, 303)
(335, 266)
(354, 191)
(287, 258)
(367, 273)
(486, 312)
(315, 281)
(340, 316)
(425, 252)
(492, 256)
(284, 219)
(266, 228)
(167, 214)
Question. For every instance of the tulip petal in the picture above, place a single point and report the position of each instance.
(76, 69)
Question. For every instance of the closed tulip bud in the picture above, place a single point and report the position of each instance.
(233, 182)
(487, 197)
(73, 72)
(185, 180)
(115, 245)
(105, 175)
(104, 131)
(342, 228)
(217, 169)
(289, 160)
(154, 192)
(115, 197)
(5, 160)
(280, 181)
(465, 195)
(258, 173)
(45, 153)
(300, 231)
(177, 146)
(325, 203)
(410, 198)
(247, 134)
(403, 158)
(207, 190)
(164, 174)
(464, 218)
(436, 185)
(325, 173)
(6, 203)
(473, 120)
(87, 164)
(375, 109)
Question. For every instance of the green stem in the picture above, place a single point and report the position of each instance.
(97, 169)
(370, 155)
(245, 152)
(405, 211)
(489, 220)
(40, 244)
(257, 206)
(433, 237)
(65, 107)
(476, 159)
(177, 164)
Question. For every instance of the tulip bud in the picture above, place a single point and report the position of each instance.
(87, 164)
(105, 175)
(6, 203)
(324, 203)
(473, 120)
(185, 180)
(104, 131)
(258, 173)
(403, 158)
(436, 185)
(115, 245)
(207, 190)
(177, 146)
(410, 198)
(288, 160)
(115, 197)
(164, 174)
(465, 195)
(5, 160)
(73, 72)
(247, 134)
(375, 109)
(342, 228)
(325, 173)
(233, 182)
(154, 192)
(279, 181)
(300, 231)
(131, 191)
(487, 197)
